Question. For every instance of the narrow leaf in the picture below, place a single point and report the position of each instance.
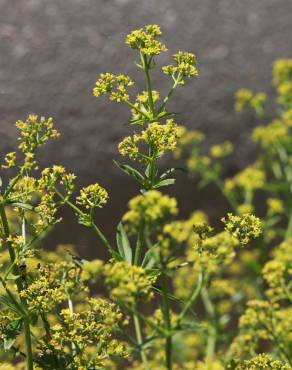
(25, 206)
(171, 171)
(131, 171)
(124, 244)
(11, 332)
(165, 182)
(150, 258)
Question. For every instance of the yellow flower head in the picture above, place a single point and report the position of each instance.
(92, 196)
(145, 40)
(244, 228)
(152, 208)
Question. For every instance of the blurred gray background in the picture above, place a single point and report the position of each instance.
(52, 51)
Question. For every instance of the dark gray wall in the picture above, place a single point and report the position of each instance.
(52, 51)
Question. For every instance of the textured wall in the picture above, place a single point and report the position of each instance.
(51, 52)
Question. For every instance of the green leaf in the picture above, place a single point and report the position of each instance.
(171, 171)
(147, 170)
(25, 206)
(131, 172)
(124, 244)
(170, 296)
(11, 276)
(10, 302)
(11, 332)
(150, 258)
(165, 182)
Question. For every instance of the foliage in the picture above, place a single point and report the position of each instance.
(180, 283)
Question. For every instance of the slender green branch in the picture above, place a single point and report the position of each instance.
(192, 298)
(212, 335)
(92, 225)
(139, 337)
(103, 238)
(288, 232)
(11, 186)
(167, 321)
(28, 345)
(145, 64)
(137, 109)
(168, 96)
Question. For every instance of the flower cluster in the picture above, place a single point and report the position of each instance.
(263, 361)
(185, 66)
(246, 99)
(51, 176)
(275, 206)
(93, 196)
(221, 150)
(144, 39)
(264, 321)
(282, 71)
(80, 331)
(160, 137)
(270, 135)
(128, 283)
(213, 251)
(282, 79)
(278, 272)
(45, 293)
(151, 208)
(115, 85)
(9, 161)
(34, 132)
(244, 228)
(251, 178)
(91, 271)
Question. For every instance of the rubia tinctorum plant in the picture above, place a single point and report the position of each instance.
(51, 318)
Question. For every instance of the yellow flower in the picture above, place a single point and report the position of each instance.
(151, 208)
(221, 150)
(128, 283)
(92, 196)
(144, 39)
(115, 85)
(10, 160)
(270, 135)
(185, 66)
(244, 228)
(275, 206)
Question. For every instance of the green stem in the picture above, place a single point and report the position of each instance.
(103, 238)
(212, 335)
(192, 298)
(139, 337)
(167, 321)
(288, 233)
(27, 333)
(148, 82)
(6, 234)
(136, 109)
(211, 344)
(171, 91)
(28, 345)
(92, 225)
